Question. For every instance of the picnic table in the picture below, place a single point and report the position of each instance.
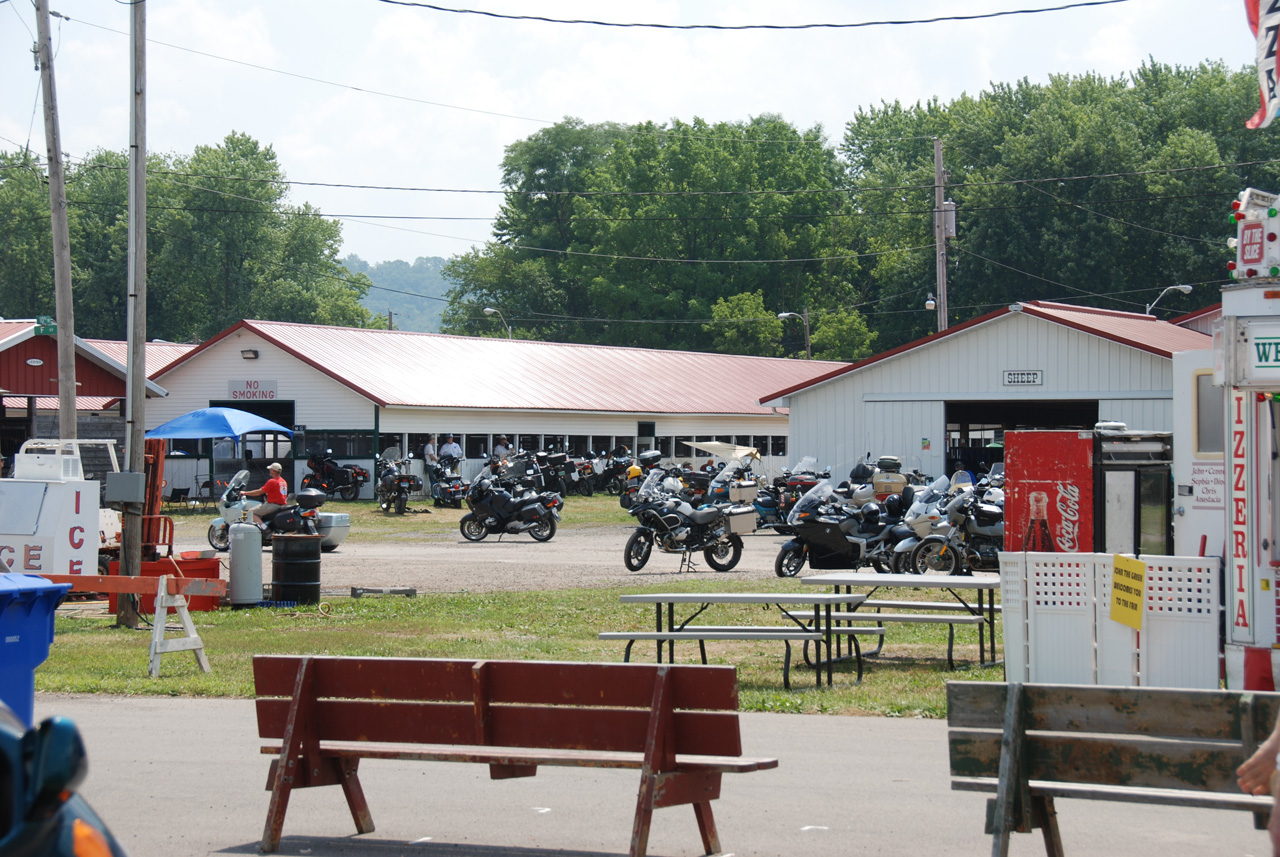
(956, 611)
(812, 626)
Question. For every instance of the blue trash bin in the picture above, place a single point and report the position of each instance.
(27, 602)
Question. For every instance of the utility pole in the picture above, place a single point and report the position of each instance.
(940, 231)
(64, 312)
(391, 320)
(136, 382)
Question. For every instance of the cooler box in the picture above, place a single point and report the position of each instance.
(742, 492)
(207, 568)
(27, 604)
(742, 519)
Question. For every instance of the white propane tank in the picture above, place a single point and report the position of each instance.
(246, 564)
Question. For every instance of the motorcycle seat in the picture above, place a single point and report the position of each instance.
(704, 516)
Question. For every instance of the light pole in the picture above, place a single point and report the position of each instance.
(1185, 289)
(808, 351)
(491, 311)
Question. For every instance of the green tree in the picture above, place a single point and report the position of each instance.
(743, 326)
(26, 243)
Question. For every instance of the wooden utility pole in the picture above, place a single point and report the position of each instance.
(64, 312)
(136, 379)
(940, 231)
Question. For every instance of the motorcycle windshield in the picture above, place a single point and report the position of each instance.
(808, 464)
(808, 504)
(651, 487)
(391, 453)
(238, 481)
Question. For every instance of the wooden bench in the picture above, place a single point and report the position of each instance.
(1032, 743)
(678, 725)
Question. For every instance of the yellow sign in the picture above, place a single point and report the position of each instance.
(1128, 591)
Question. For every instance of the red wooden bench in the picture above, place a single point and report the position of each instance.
(677, 724)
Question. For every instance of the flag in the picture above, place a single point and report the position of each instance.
(1264, 22)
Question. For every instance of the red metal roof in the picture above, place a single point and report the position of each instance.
(1136, 330)
(158, 354)
(442, 371)
(100, 366)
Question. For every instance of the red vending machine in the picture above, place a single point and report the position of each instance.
(1049, 483)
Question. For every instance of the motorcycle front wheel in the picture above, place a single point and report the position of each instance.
(349, 492)
(219, 537)
(934, 556)
(472, 528)
(616, 485)
(724, 555)
(789, 562)
(544, 529)
(639, 548)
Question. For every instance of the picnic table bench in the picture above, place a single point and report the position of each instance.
(678, 725)
(810, 626)
(1032, 743)
(874, 612)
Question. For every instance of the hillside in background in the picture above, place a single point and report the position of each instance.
(413, 294)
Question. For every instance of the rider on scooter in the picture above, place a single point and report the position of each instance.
(276, 491)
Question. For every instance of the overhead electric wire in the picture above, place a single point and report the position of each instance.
(739, 27)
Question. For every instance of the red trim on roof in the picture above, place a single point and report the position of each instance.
(1195, 314)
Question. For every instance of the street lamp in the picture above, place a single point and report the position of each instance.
(491, 311)
(808, 351)
(1186, 290)
(930, 302)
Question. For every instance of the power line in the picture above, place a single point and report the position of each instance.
(739, 27)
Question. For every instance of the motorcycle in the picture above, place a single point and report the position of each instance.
(829, 534)
(972, 543)
(583, 477)
(611, 470)
(300, 517)
(925, 517)
(395, 482)
(447, 487)
(494, 509)
(646, 462)
(674, 526)
(329, 476)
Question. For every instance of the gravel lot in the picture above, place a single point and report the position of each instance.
(576, 557)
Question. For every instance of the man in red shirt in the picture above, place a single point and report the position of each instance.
(275, 491)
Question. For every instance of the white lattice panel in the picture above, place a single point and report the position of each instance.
(1013, 614)
(1060, 618)
(1117, 643)
(1180, 622)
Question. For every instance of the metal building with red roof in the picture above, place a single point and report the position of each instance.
(949, 398)
(356, 391)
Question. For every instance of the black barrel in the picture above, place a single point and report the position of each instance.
(295, 568)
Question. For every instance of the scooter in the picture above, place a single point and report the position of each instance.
(300, 517)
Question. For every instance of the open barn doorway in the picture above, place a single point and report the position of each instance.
(975, 430)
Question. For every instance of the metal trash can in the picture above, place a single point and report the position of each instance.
(27, 604)
(295, 568)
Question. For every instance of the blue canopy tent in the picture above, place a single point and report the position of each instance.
(216, 423)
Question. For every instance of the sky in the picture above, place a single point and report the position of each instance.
(362, 92)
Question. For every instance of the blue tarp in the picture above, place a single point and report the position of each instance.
(216, 422)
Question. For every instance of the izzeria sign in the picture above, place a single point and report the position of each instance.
(251, 390)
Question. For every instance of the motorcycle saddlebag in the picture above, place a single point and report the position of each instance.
(988, 515)
(530, 512)
(288, 521)
(742, 519)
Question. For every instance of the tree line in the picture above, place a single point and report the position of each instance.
(697, 235)
(223, 244)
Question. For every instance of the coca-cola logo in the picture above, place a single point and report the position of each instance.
(1068, 503)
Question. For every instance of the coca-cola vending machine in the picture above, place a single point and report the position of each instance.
(1049, 481)
(1108, 490)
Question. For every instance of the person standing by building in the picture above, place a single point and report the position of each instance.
(275, 491)
(501, 446)
(429, 451)
(450, 447)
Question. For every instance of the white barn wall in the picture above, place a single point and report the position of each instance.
(888, 407)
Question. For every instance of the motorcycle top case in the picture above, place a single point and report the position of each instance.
(557, 459)
(649, 457)
(309, 498)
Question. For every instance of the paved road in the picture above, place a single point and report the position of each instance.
(184, 777)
